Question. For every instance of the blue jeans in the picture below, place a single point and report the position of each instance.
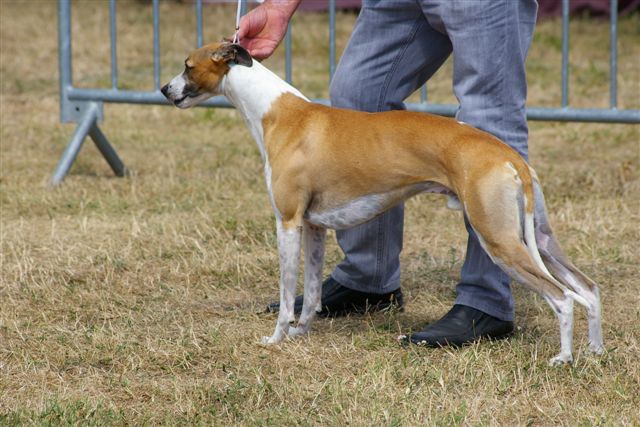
(395, 47)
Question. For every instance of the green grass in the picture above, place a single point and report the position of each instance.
(138, 300)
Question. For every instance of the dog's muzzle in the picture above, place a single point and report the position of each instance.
(165, 90)
(175, 99)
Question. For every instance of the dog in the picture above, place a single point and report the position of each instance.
(335, 168)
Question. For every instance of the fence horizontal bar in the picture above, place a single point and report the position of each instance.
(533, 113)
(538, 113)
(133, 97)
(605, 115)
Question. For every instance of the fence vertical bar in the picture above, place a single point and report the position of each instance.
(287, 54)
(199, 23)
(156, 44)
(423, 93)
(613, 69)
(114, 44)
(332, 38)
(565, 53)
(64, 50)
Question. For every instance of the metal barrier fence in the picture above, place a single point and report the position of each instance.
(84, 106)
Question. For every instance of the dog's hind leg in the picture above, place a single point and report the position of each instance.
(563, 308)
(515, 260)
(289, 240)
(314, 244)
(573, 278)
(562, 268)
(499, 215)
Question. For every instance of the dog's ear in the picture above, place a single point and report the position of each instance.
(229, 52)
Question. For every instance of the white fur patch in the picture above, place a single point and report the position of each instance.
(253, 90)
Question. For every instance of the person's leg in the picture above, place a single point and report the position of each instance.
(392, 52)
(490, 43)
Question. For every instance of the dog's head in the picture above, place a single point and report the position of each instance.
(204, 69)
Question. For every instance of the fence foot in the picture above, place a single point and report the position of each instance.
(87, 126)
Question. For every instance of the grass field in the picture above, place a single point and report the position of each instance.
(138, 300)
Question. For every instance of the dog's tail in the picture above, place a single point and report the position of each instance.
(533, 218)
(528, 179)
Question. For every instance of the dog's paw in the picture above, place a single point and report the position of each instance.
(298, 331)
(560, 359)
(596, 349)
(269, 341)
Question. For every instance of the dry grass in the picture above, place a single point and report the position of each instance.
(136, 301)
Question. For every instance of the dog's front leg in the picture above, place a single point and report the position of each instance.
(314, 241)
(289, 238)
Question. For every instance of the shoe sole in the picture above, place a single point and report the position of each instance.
(405, 341)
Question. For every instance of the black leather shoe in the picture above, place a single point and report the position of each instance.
(461, 325)
(340, 301)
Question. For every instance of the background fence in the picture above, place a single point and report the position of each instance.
(84, 106)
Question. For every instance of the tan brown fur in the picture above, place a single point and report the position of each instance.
(317, 158)
(204, 69)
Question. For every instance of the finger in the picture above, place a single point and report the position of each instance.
(252, 23)
(243, 30)
(260, 52)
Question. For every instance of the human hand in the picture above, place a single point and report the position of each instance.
(262, 29)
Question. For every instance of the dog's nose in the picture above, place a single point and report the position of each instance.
(164, 90)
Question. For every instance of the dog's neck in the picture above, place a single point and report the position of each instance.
(252, 90)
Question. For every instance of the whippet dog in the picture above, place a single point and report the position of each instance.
(335, 168)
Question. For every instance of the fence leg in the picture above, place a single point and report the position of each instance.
(87, 125)
(107, 151)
